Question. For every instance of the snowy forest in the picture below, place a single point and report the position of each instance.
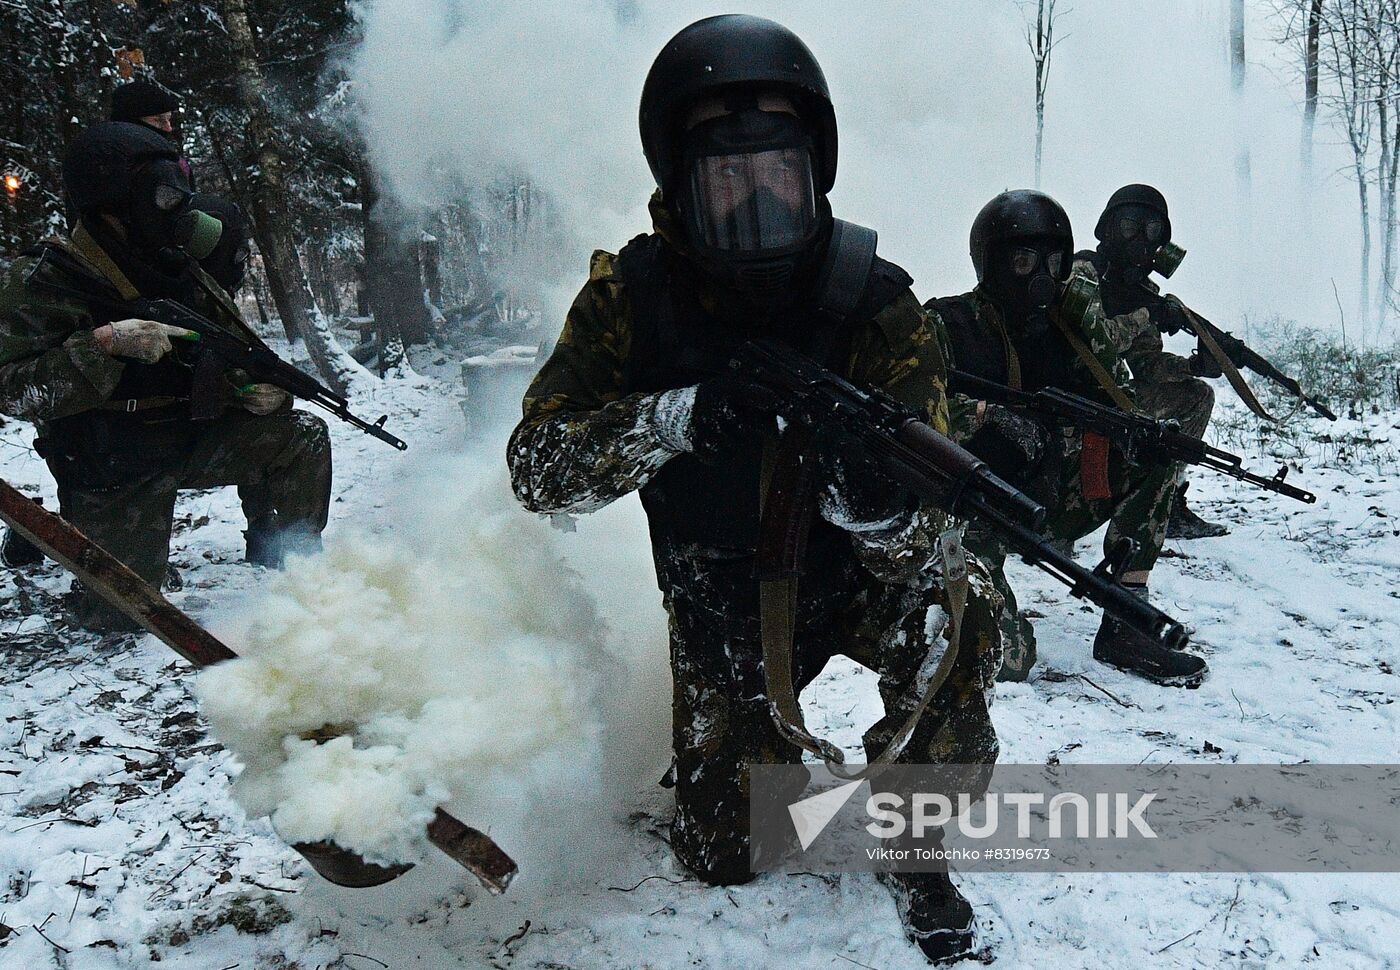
(425, 185)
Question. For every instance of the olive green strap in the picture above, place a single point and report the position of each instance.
(777, 608)
(955, 601)
(777, 617)
(88, 249)
(1222, 360)
(1106, 381)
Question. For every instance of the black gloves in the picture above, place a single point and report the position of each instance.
(1170, 316)
(1010, 443)
(856, 491)
(728, 411)
(1203, 364)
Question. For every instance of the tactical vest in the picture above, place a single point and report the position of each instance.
(710, 510)
(976, 346)
(979, 348)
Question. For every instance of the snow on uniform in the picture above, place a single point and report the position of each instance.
(119, 469)
(591, 433)
(1134, 499)
(1163, 384)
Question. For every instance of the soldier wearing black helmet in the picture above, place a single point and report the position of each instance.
(1022, 326)
(110, 393)
(1134, 234)
(740, 133)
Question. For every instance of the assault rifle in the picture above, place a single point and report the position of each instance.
(226, 350)
(1235, 350)
(1141, 438)
(941, 473)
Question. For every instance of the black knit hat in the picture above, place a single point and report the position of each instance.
(142, 99)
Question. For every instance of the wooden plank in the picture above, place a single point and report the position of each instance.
(108, 577)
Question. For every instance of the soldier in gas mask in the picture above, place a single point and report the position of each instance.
(1134, 234)
(739, 130)
(110, 393)
(1022, 327)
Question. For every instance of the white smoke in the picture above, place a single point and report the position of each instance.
(934, 103)
(464, 662)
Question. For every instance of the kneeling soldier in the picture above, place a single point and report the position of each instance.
(1132, 231)
(739, 130)
(1010, 330)
(110, 394)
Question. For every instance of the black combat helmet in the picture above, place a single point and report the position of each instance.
(1135, 195)
(728, 51)
(102, 161)
(1022, 246)
(1021, 214)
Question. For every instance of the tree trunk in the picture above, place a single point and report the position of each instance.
(1237, 77)
(270, 205)
(1364, 200)
(1310, 76)
(392, 275)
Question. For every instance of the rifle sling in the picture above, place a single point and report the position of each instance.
(787, 503)
(1086, 356)
(88, 249)
(1223, 361)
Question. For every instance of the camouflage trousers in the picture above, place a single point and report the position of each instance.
(280, 462)
(1138, 508)
(721, 720)
(1165, 388)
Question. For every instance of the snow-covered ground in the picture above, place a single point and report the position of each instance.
(120, 846)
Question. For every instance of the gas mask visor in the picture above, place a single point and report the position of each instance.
(750, 185)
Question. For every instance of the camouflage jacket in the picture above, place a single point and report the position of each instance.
(50, 365)
(1141, 337)
(1106, 338)
(587, 439)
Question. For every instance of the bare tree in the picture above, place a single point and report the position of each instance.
(1237, 79)
(1344, 62)
(1311, 35)
(1041, 39)
(271, 226)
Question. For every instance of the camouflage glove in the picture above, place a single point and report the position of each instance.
(726, 411)
(1010, 443)
(262, 399)
(856, 493)
(143, 340)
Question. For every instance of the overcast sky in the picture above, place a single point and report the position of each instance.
(935, 105)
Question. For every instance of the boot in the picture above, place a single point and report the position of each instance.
(1120, 646)
(17, 551)
(268, 542)
(937, 918)
(1185, 524)
(263, 542)
(90, 612)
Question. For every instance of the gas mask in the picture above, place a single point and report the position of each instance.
(748, 200)
(1135, 236)
(161, 215)
(1025, 278)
